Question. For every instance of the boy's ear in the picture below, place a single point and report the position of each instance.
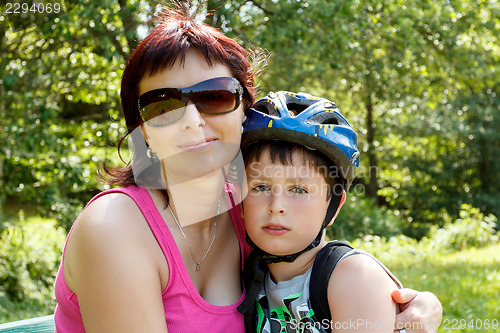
(342, 201)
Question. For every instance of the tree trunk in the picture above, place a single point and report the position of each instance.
(130, 25)
(372, 154)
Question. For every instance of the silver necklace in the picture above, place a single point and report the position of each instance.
(198, 263)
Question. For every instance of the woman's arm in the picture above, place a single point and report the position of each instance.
(359, 296)
(111, 264)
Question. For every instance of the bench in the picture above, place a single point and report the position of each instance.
(43, 324)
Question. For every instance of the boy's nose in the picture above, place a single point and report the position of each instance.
(191, 118)
(277, 204)
(278, 211)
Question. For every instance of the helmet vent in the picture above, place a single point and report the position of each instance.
(294, 109)
(328, 118)
(331, 121)
(266, 108)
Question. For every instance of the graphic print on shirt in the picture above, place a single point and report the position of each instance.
(294, 316)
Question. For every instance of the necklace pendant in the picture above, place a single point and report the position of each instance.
(197, 266)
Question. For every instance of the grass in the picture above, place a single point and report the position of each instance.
(466, 282)
(30, 253)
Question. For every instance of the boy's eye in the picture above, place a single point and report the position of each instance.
(298, 190)
(261, 188)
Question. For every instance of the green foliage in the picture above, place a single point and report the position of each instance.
(30, 254)
(466, 282)
(472, 229)
(59, 103)
(417, 79)
(387, 248)
(361, 216)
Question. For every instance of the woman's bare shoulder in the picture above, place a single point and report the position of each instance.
(109, 211)
(114, 265)
(110, 232)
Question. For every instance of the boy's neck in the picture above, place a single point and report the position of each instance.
(284, 271)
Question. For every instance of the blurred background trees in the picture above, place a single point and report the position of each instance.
(418, 79)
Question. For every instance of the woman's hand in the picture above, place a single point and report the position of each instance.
(421, 312)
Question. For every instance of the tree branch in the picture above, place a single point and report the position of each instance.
(130, 24)
(261, 7)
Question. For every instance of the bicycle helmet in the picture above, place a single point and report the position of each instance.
(313, 122)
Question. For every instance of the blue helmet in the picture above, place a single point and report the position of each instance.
(314, 122)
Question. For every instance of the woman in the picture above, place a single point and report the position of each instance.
(168, 254)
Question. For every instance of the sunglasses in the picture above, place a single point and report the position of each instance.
(165, 106)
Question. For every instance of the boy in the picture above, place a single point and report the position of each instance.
(300, 155)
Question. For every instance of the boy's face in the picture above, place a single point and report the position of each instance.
(286, 204)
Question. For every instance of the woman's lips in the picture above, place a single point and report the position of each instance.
(198, 146)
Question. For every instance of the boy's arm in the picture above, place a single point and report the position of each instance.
(421, 311)
(359, 297)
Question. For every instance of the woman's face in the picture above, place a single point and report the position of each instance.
(197, 143)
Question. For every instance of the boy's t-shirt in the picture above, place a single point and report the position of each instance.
(286, 306)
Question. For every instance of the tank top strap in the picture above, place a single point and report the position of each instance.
(138, 194)
(145, 203)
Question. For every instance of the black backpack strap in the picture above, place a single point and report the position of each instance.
(324, 264)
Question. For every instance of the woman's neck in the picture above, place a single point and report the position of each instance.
(199, 199)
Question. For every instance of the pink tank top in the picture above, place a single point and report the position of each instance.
(185, 309)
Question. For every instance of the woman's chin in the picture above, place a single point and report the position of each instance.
(196, 163)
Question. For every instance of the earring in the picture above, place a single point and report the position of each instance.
(151, 154)
(232, 175)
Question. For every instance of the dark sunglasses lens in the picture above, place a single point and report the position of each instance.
(163, 113)
(214, 96)
(215, 101)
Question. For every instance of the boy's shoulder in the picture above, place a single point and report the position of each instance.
(325, 262)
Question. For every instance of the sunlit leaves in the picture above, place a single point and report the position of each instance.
(60, 74)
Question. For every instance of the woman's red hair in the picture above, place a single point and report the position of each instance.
(176, 32)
